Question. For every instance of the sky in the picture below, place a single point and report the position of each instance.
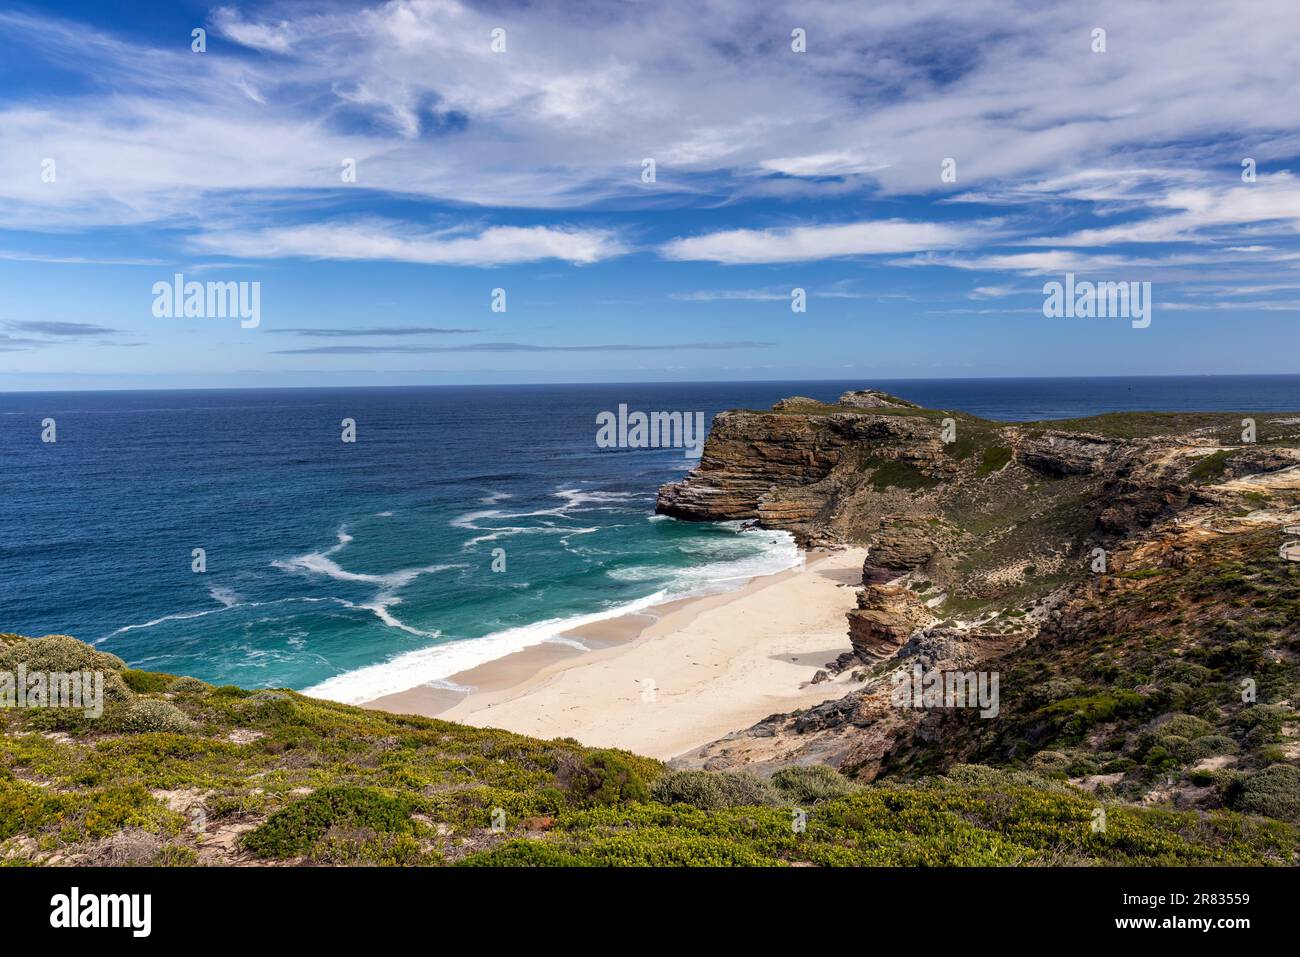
(386, 173)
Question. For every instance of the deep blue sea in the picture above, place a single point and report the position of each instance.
(357, 569)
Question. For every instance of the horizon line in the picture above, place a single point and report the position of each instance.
(683, 382)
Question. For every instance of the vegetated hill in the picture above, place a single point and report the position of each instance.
(1120, 574)
(177, 772)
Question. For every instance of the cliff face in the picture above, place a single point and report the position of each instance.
(787, 468)
(1120, 574)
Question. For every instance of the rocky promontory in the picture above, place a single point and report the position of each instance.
(1120, 573)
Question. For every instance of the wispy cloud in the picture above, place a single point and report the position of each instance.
(274, 37)
(524, 347)
(53, 328)
(887, 90)
(725, 295)
(398, 242)
(807, 243)
(42, 333)
(347, 332)
(1272, 199)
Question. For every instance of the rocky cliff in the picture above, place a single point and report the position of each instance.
(1119, 573)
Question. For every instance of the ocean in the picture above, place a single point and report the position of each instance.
(463, 523)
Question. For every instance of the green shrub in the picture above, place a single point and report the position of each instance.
(1207, 746)
(712, 790)
(57, 653)
(804, 785)
(297, 829)
(146, 682)
(604, 777)
(1210, 467)
(188, 686)
(892, 473)
(995, 459)
(1273, 792)
(1260, 723)
(147, 715)
(1184, 726)
(364, 848)
(1050, 762)
(524, 853)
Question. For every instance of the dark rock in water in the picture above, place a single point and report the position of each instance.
(819, 677)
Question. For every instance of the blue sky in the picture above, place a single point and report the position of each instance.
(521, 169)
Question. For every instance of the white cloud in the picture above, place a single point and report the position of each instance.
(1271, 199)
(1153, 129)
(377, 240)
(806, 243)
(992, 292)
(274, 37)
(822, 164)
(1056, 261)
(724, 295)
(887, 90)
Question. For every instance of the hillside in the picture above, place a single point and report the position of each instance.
(177, 772)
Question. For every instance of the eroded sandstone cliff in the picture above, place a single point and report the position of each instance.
(1121, 573)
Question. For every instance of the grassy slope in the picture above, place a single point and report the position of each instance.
(1144, 685)
(276, 776)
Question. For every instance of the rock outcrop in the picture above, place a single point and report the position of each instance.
(884, 620)
(874, 399)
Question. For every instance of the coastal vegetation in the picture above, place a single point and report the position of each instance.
(273, 776)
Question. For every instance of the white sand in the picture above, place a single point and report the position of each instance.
(700, 669)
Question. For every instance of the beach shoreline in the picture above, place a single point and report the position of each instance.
(666, 679)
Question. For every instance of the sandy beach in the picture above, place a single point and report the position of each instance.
(670, 678)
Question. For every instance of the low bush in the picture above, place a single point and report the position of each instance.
(1273, 792)
(605, 777)
(146, 682)
(57, 653)
(713, 790)
(147, 715)
(804, 785)
(297, 828)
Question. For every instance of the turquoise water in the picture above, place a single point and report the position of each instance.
(355, 569)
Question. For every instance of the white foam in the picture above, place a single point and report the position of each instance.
(320, 563)
(439, 662)
(574, 500)
(776, 554)
(223, 594)
(187, 615)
